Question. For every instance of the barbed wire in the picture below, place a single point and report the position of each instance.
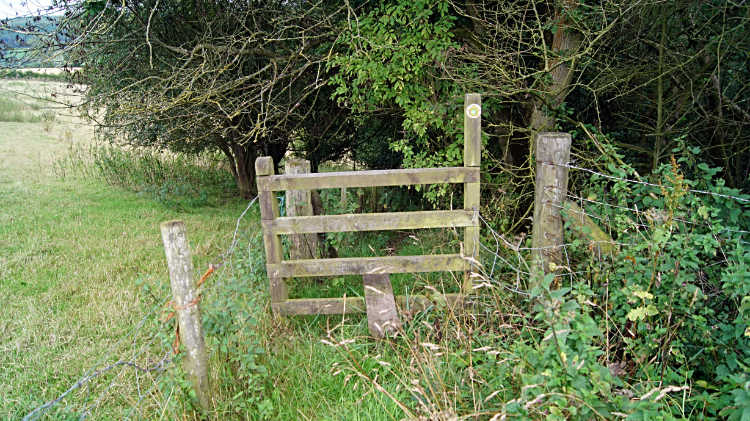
(514, 258)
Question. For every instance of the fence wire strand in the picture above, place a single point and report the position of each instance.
(158, 362)
(506, 263)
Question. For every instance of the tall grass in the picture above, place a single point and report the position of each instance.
(176, 180)
(14, 111)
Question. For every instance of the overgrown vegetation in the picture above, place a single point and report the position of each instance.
(175, 180)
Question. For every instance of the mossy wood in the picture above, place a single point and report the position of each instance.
(269, 210)
(370, 222)
(274, 225)
(384, 319)
(587, 230)
(375, 178)
(299, 203)
(351, 305)
(552, 155)
(366, 265)
(186, 301)
(472, 161)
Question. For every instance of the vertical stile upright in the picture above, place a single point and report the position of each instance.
(269, 210)
(472, 158)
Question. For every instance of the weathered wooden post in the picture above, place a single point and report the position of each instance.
(552, 156)
(299, 203)
(472, 158)
(186, 302)
(269, 210)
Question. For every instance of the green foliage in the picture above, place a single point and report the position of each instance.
(231, 322)
(393, 61)
(559, 374)
(675, 293)
(32, 75)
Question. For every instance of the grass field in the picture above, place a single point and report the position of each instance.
(71, 252)
(82, 263)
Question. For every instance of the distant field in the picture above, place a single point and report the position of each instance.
(51, 70)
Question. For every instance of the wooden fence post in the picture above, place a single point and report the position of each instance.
(299, 203)
(186, 301)
(269, 210)
(552, 156)
(472, 158)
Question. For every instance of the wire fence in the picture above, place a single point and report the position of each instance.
(507, 261)
(130, 371)
(142, 356)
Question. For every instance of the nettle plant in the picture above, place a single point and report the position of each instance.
(674, 296)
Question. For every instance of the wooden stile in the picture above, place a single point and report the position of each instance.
(379, 302)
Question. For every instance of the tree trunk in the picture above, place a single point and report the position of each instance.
(560, 69)
(245, 157)
(241, 160)
(718, 150)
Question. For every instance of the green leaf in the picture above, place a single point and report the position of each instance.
(641, 313)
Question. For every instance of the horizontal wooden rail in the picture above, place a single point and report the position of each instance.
(349, 305)
(365, 265)
(375, 178)
(369, 222)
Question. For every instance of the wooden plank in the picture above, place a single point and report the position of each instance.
(369, 222)
(186, 301)
(347, 179)
(366, 265)
(406, 304)
(382, 315)
(264, 166)
(471, 235)
(552, 153)
(314, 306)
(472, 194)
(472, 130)
(600, 244)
